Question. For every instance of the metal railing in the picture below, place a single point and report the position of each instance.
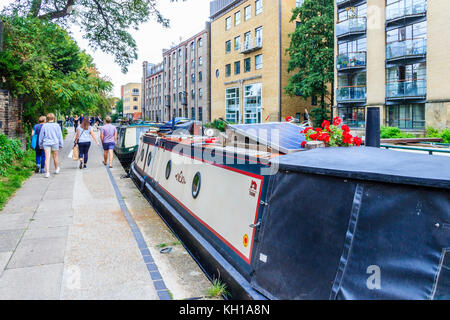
(250, 45)
(351, 93)
(351, 60)
(429, 150)
(406, 48)
(351, 25)
(406, 88)
(405, 8)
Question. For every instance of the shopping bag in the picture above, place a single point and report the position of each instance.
(75, 153)
(70, 154)
(34, 142)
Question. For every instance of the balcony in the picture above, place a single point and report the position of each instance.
(350, 27)
(250, 46)
(405, 10)
(406, 89)
(407, 49)
(347, 3)
(351, 94)
(351, 61)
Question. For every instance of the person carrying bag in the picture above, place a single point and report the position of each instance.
(83, 139)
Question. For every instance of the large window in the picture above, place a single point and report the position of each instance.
(353, 116)
(406, 81)
(410, 116)
(258, 7)
(228, 23)
(258, 36)
(258, 62)
(247, 12)
(237, 43)
(247, 65)
(407, 41)
(353, 12)
(237, 18)
(252, 103)
(232, 102)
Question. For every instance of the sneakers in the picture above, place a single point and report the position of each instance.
(42, 170)
(38, 167)
(47, 175)
(81, 164)
(57, 170)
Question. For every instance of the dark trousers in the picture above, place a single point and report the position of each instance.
(83, 148)
(40, 158)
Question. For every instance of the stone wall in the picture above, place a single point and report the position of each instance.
(11, 110)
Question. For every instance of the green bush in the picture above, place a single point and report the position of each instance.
(445, 135)
(318, 116)
(394, 133)
(10, 150)
(217, 124)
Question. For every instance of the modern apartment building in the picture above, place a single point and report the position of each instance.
(186, 79)
(249, 60)
(152, 91)
(393, 54)
(131, 95)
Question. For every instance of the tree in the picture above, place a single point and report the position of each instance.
(311, 53)
(104, 22)
(119, 107)
(45, 66)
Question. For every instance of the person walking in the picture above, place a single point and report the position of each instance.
(76, 122)
(108, 136)
(83, 138)
(51, 141)
(40, 154)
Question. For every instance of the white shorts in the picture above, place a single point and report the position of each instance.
(54, 147)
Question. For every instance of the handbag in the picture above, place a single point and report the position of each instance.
(75, 154)
(33, 141)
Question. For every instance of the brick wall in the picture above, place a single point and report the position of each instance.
(10, 115)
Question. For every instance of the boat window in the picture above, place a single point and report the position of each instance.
(168, 169)
(149, 158)
(142, 154)
(196, 183)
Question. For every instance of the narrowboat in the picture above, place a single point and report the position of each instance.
(128, 140)
(273, 220)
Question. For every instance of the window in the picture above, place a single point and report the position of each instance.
(200, 93)
(200, 61)
(192, 94)
(193, 113)
(247, 40)
(180, 53)
(135, 99)
(193, 64)
(180, 68)
(228, 70)
(169, 164)
(193, 78)
(200, 76)
(258, 7)
(408, 116)
(247, 65)
(180, 82)
(200, 42)
(237, 67)
(196, 183)
(353, 116)
(258, 36)
(232, 102)
(252, 103)
(237, 18)
(247, 12)
(237, 43)
(228, 23)
(258, 62)
(200, 114)
(228, 46)
(135, 107)
(192, 46)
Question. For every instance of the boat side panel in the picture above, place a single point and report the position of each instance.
(235, 196)
(130, 137)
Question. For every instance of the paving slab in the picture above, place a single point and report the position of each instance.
(32, 283)
(15, 221)
(4, 258)
(51, 222)
(46, 233)
(38, 251)
(9, 239)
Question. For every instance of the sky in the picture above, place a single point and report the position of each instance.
(186, 19)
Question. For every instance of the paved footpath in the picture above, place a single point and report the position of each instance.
(71, 237)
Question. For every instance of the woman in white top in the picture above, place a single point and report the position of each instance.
(83, 138)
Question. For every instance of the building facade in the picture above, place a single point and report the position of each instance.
(249, 61)
(393, 54)
(186, 79)
(131, 95)
(152, 91)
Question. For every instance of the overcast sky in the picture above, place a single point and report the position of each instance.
(186, 19)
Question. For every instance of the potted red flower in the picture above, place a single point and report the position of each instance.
(332, 135)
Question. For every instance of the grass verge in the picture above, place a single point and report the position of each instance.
(16, 173)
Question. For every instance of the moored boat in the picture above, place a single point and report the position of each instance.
(275, 221)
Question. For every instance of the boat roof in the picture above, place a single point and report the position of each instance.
(368, 163)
